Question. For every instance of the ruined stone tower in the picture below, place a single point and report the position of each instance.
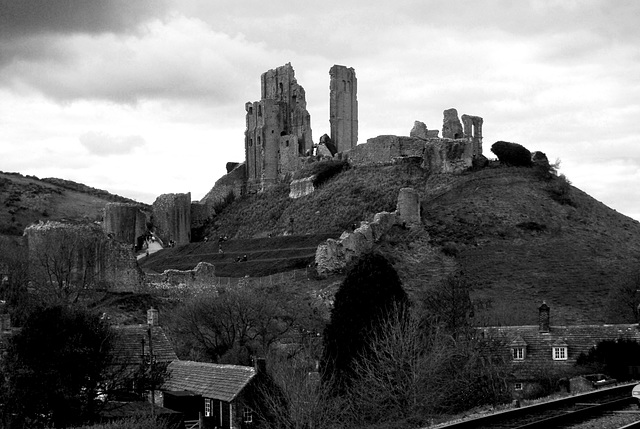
(172, 218)
(343, 107)
(278, 129)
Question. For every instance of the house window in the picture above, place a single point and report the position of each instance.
(517, 386)
(207, 407)
(559, 353)
(247, 415)
(518, 353)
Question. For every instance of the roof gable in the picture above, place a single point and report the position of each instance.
(132, 342)
(216, 381)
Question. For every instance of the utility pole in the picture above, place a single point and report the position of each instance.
(151, 376)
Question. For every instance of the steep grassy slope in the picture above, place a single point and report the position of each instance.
(352, 196)
(523, 247)
(24, 200)
(521, 237)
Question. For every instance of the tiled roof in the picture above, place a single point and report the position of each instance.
(578, 339)
(222, 382)
(128, 348)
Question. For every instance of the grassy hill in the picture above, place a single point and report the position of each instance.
(265, 256)
(519, 236)
(27, 199)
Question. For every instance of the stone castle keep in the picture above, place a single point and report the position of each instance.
(278, 133)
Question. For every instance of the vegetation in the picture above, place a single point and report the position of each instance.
(54, 368)
(322, 170)
(512, 154)
(352, 196)
(368, 294)
(236, 325)
(613, 358)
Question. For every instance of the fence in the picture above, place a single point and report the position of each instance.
(211, 285)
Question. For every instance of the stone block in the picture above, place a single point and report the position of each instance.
(419, 130)
(301, 187)
(408, 207)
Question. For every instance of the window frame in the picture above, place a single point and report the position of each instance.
(518, 386)
(559, 353)
(207, 407)
(247, 414)
(518, 353)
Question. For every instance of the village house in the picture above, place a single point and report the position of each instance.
(542, 351)
(214, 395)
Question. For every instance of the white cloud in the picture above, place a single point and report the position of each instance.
(102, 144)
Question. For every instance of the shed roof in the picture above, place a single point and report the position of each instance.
(216, 381)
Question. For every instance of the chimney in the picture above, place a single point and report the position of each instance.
(152, 317)
(260, 365)
(543, 317)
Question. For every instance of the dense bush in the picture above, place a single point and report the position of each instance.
(54, 368)
(512, 154)
(612, 357)
(369, 292)
(323, 170)
(559, 189)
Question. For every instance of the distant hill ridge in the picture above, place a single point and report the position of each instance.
(27, 199)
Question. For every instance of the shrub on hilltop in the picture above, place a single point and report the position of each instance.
(323, 170)
(512, 154)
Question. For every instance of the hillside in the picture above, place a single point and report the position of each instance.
(265, 256)
(27, 199)
(520, 237)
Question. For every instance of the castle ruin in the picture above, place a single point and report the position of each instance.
(278, 129)
(343, 107)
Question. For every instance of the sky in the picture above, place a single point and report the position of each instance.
(146, 97)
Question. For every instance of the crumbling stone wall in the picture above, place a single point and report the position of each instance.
(172, 218)
(343, 107)
(202, 276)
(333, 256)
(408, 209)
(119, 270)
(125, 222)
(301, 187)
(232, 183)
(384, 150)
(473, 130)
(447, 155)
(281, 111)
(451, 126)
(420, 131)
(97, 261)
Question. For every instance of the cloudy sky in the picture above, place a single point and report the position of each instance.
(147, 97)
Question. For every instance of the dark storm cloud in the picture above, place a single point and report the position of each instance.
(27, 17)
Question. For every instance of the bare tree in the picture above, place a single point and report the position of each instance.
(64, 260)
(235, 324)
(300, 401)
(413, 371)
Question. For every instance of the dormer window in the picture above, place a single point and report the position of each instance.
(559, 350)
(518, 348)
